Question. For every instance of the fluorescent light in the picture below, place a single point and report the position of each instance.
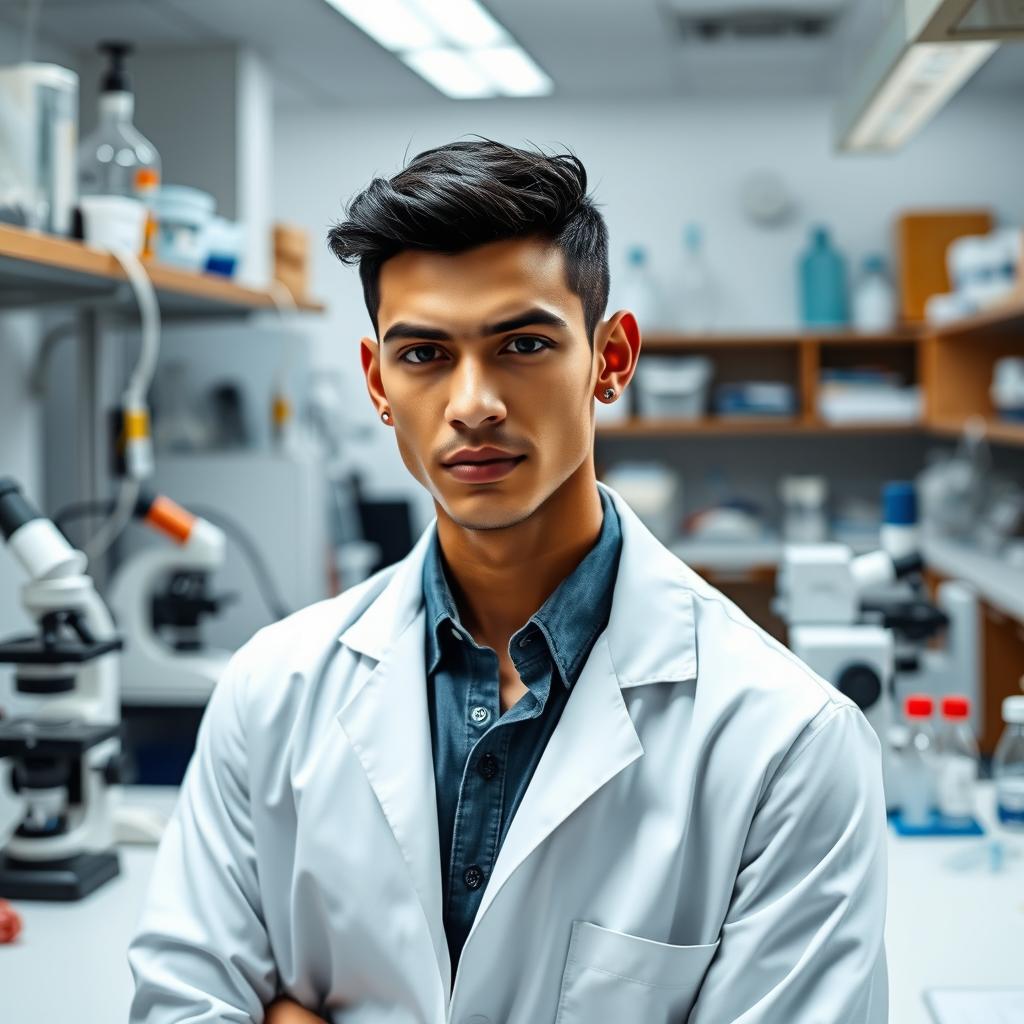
(456, 45)
(512, 70)
(450, 71)
(920, 84)
(464, 23)
(392, 23)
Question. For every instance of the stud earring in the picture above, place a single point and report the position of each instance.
(385, 416)
(609, 393)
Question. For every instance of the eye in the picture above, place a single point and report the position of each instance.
(418, 351)
(527, 339)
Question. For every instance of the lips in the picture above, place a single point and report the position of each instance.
(478, 455)
(484, 471)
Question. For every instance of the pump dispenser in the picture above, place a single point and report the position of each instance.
(116, 159)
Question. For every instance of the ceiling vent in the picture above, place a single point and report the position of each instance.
(752, 20)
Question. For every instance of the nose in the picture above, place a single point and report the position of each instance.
(473, 399)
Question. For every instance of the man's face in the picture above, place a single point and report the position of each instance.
(485, 348)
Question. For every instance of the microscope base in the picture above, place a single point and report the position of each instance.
(64, 880)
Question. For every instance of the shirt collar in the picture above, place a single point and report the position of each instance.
(569, 620)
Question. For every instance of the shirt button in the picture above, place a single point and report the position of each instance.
(479, 715)
(473, 877)
(488, 766)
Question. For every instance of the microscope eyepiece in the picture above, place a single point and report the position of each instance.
(15, 510)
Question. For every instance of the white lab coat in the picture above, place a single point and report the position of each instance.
(703, 839)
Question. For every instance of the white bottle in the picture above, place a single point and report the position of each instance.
(917, 786)
(639, 293)
(1008, 767)
(874, 303)
(697, 299)
(958, 761)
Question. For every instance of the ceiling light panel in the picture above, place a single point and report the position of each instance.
(456, 45)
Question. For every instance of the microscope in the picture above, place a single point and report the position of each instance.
(859, 623)
(59, 759)
(159, 597)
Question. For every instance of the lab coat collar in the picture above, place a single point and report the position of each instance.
(651, 635)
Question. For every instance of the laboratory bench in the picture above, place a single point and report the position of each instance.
(951, 922)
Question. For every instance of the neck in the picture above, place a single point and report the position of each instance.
(500, 578)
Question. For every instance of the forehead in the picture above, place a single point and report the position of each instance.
(468, 288)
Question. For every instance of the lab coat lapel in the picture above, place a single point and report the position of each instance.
(594, 741)
(387, 724)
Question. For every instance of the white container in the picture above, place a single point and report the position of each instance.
(1007, 390)
(874, 301)
(183, 214)
(673, 386)
(804, 519)
(114, 222)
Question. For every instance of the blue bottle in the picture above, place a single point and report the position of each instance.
(823, 294)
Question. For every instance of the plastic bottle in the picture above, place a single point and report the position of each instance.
(958, 760)
(823, 298)
(918, 783)
(639, 293)
(1008, 767)
(874, 302)
(696, 287)
(116, 159)
(900, 535)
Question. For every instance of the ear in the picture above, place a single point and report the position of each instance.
(617, 345)
(369, 355)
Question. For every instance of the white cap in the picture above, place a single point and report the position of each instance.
(1013, 710)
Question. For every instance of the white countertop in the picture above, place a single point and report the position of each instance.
(944, 928)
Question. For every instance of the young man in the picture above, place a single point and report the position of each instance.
(539, 770)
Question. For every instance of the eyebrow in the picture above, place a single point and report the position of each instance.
(528, 318)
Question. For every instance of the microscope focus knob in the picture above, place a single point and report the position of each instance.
(113, 770)
(861, 683)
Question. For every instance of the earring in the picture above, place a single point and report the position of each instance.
(385, 416)
(609, 393)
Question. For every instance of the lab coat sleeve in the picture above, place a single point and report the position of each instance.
(803, 936)
(201, 954)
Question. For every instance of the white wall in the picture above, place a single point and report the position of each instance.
(653, 167)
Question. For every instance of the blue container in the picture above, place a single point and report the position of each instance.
(823, 292)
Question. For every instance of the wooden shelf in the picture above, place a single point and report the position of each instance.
(1007, 318)
(722, 426)
(666, 341)
(37, 269)
(1003, 431)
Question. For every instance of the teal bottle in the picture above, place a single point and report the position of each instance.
(823, 294)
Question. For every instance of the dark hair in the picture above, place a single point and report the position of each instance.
(469, 193)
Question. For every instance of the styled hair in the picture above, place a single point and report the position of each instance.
(468, 193)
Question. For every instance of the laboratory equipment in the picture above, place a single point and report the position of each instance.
(855, 621)
(183, 215)
(223, 246)
(655, 493)
(899, 534)
(957, 761)
(160, 597)
(804, 519)
(755, 398)
(116, 159)
(823, 298)
(874, 300)
(697, 296)
(1007, 390)
(673, 386)
(60, 751)
(1008, 766)
(639, 293)
(38, 131)
(918, 764)
(114, 222)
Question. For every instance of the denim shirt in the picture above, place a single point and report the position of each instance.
(483, 759)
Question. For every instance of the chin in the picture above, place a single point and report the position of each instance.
(484, 511)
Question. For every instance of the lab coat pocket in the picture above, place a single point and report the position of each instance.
(614, 978)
